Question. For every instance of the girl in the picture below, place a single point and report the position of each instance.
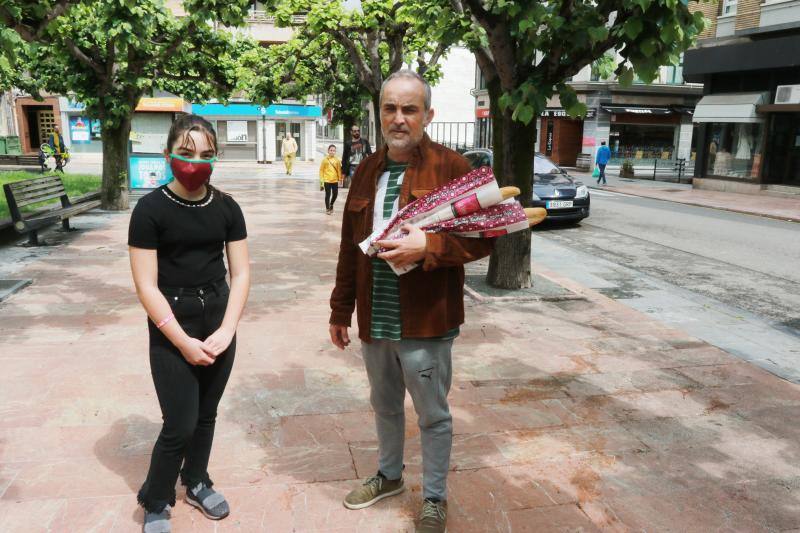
(177, 234)
(330, 174)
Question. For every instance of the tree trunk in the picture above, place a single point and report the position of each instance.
(114, 192)
(376, 109)
(514, 148)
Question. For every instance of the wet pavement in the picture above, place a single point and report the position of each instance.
(570, 413)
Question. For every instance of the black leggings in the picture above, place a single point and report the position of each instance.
(188, 396)
(331, 192)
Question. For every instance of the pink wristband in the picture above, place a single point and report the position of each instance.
(165, 321)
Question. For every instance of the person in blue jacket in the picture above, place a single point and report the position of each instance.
(603, 156)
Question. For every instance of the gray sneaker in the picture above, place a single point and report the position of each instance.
(157, 522)
(210, 502)
(373, 490)
(433, 518)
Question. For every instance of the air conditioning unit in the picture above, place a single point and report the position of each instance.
(787, 94)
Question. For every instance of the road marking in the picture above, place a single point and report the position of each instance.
(598, 192)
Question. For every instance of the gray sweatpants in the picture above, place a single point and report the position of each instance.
(424, 368)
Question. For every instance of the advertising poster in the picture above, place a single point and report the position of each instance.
(237, 131)
(79, 130)
(149, 172)
(96, 128)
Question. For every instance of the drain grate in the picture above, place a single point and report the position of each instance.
(10, 286)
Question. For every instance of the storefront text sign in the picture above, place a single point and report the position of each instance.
(163, 104)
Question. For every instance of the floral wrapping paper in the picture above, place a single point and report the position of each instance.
(462, 196)
(494, 221)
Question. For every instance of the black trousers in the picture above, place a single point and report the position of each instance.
(331, 192)
(188, 396)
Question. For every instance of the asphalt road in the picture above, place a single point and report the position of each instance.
(730, 279)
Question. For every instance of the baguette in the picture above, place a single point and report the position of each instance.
(535, 215)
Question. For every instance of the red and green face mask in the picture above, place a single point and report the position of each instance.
(191, 173)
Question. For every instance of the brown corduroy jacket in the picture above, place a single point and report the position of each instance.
(431, 297)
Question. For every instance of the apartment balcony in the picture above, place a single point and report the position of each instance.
(262, 27)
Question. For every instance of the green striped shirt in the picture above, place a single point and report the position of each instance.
(386, 321)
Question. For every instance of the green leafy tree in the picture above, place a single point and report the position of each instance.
(377, 40)
(110, 53)
(315, 65)
(526, 52)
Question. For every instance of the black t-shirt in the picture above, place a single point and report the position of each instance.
(189, 240)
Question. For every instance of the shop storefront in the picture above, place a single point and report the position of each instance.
(82, 133)
(561, 136)
(248, 132)
(734, 135)
(782, 162)
(643, 134)
(36, 121)
(150, 127)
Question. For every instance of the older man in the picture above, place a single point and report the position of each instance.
(407, 324)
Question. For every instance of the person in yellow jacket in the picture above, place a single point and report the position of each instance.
(330, 174)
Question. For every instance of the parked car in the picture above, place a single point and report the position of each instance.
(564, 197)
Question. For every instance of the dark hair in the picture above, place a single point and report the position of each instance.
(602, 143)
(331, 146)
(187, 123)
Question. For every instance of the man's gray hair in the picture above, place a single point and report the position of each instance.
(409, 74)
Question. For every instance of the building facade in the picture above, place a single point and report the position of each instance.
(645, 123)
(749, 117)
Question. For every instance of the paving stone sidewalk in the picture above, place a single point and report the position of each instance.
(781, 208)
(575, 414)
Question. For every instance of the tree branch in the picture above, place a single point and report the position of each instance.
(81, 56)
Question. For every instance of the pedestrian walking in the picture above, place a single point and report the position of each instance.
(177, 236)
(603, 157)
(354, 151)
(56, 142)
(407, 324)
(288, 152)
(330, 174)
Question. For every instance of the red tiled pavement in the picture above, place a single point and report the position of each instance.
(569, 416)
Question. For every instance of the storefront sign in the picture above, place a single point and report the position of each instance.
(637, 110)
(70, 105)
(562, 113)
(79, 130)
(250, 110)
(549, 138)
(482, 113)
(163, 104)
(149, 171)
(237, 131)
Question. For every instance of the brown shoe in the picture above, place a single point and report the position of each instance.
(373, 490)
(433, 518)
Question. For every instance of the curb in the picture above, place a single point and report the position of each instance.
(719, 208)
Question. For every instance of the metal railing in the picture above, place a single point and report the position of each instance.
(257, 15)
(458, 136)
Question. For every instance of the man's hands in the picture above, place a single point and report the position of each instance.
(339, 336)
(406, 251)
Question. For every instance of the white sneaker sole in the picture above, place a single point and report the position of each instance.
(374, 500)
(198, 505)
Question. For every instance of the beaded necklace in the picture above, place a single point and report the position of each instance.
(208, 201)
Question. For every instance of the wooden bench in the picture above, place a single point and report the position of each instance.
(21, 160)
(32, 191)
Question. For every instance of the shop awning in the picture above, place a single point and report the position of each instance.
(737, 108)
(637, 110)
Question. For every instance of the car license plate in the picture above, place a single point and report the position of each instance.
(556, 204)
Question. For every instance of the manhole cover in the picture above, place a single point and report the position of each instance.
(10, 286)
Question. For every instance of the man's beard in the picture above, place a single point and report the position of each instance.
(404, 144)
